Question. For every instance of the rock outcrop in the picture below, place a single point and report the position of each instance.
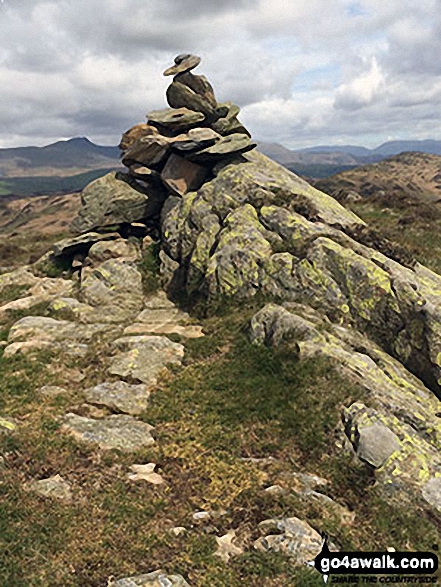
(235, 224)
(229, 223)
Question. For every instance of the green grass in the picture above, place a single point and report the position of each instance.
(149, 268)
(420, 234)
(230, 400)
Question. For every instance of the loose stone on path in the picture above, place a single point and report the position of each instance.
(144, 358)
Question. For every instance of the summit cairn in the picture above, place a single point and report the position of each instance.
(174, 153)
(180, 145)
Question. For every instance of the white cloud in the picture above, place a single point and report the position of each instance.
(304, 72)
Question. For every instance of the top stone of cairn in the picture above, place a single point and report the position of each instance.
(183, 63)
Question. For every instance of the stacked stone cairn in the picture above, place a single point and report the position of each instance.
(179, 146)
(173, 153)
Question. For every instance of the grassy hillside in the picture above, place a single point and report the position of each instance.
(401, 199)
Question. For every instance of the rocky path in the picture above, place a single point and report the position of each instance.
(104, 307)
(104, 302)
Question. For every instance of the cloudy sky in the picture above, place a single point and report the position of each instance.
(304, 72)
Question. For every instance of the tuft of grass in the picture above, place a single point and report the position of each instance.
(149, 268)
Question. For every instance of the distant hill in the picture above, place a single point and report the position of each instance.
(409, 176)
(58, 159)
(400, 199)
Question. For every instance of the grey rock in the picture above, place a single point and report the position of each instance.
(80, 244)
(115, 432)
(34, 333)
(20, 277)
(54, 487)
(113, 199)
(180, 95)
(196, 139)
(432, 492)
(161, 316)
(232, 144)
(296, 539)
(113, 289)
(376, 444)
(121, 248)
(119, 396)
(155, 579)
(144, 358)
(53, 391)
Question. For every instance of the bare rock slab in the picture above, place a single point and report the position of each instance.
(119, 396)
(120, 432)
(161, 316)
(155, 579)
(144, 358)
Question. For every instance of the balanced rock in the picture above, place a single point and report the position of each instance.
(150, 151)
(80, 244)
(184, 62)
(180, 95)
(233, 144)
(196, 139)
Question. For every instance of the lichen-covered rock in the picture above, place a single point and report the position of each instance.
(119, 396)
(114, 289)
(256, 227)
(396, 429)
(114, 199)
(144, 358)
(296, 539)
(20, 277)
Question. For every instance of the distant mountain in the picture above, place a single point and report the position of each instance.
(396, 147)
(61, 158)
(347, 149)
(326, 160)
